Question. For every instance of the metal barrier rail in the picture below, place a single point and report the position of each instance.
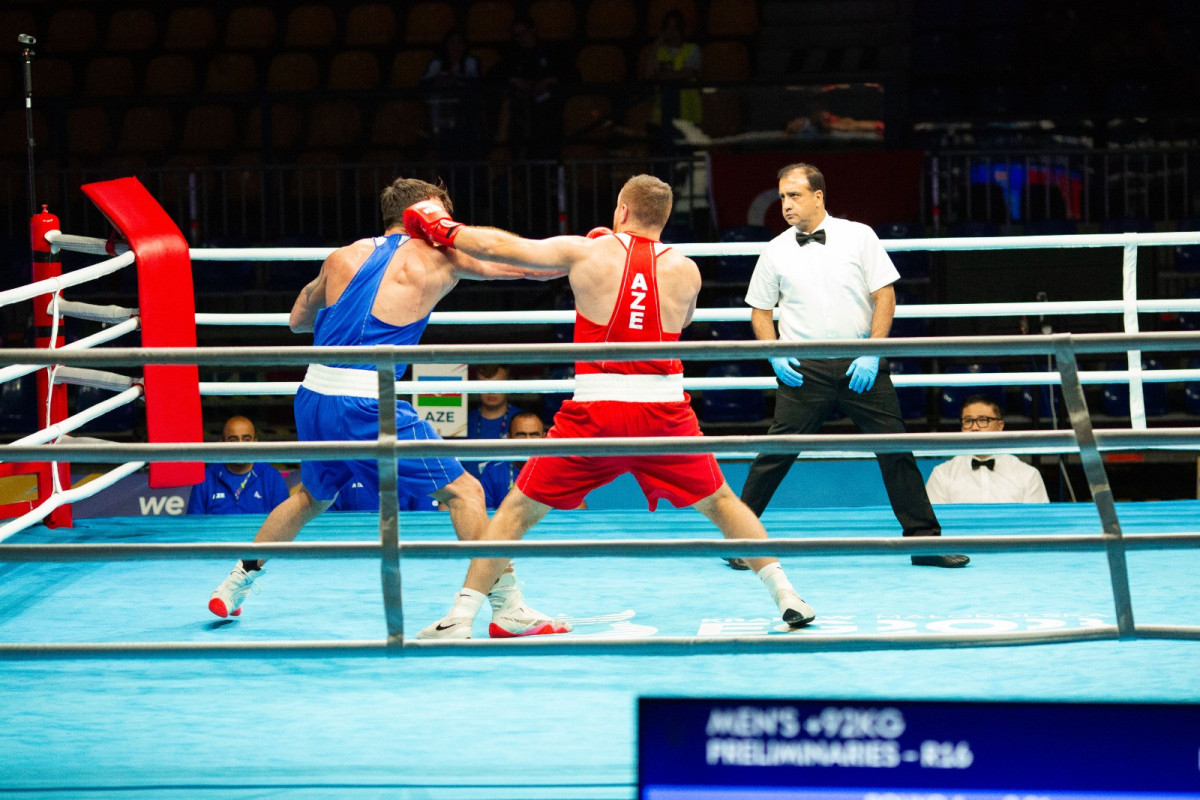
(498, 449)
(569, 646)
(643, 548)
(762, 383)
(567, 352)
(1063, 347)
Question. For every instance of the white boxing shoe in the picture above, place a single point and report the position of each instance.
(518, 619)
(796, 613)
(448, 627)
(227, 600)
(512, 618)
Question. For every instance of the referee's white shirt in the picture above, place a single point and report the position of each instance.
(823, 291)
(1011, 481)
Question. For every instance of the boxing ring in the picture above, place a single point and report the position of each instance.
(116, 680)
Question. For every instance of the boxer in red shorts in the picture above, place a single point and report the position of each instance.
(629, 287)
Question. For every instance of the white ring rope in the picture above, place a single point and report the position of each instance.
(57, 432)
(1127, 306)
(59, 498)
(106, 335)
(100, 337)
(95, 313)
(95, 378)
(73, 278)
(126, 320)
(567, 385)
(948, 243)
(913, 311)
(80, 418)
(1082, 438)
(84, 244)
(957, 243)
(51, 375)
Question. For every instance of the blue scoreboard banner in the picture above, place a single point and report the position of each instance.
(714, 749)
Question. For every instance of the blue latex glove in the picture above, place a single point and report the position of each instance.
(862, 373)
(784, 370)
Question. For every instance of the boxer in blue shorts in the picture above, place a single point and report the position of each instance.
(378, 291)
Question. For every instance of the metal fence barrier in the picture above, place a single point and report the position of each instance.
(1063, 347)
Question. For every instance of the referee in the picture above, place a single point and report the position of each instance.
(832, 279)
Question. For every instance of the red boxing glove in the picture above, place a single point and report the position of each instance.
(431, 222)
(596, 233)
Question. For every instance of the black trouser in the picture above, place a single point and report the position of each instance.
(804, 409)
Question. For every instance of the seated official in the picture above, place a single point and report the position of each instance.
(238, 488)
(993, 478)
(497, 476)
(491, 418)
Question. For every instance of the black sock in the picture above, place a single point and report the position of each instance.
(251, 565)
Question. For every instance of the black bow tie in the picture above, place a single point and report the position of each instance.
(804, 238)
(976, 463)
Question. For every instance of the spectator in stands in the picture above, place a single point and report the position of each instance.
(490, 419)
(530, 116)
(497, 476)
(495, 418)
(451, 81)
(241, 488)
(985, 478)
(674, 65)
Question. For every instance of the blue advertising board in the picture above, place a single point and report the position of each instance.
(715, 749)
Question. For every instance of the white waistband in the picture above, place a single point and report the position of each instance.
(342, 382)
(629, 388)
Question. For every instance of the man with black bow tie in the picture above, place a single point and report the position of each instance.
(985, 478)
(832, 279)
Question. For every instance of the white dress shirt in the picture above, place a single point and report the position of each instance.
(823, 290)
(1011, 481)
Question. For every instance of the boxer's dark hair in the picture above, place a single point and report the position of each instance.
(816, 181)
(403, 193)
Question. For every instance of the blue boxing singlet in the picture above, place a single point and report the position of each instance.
(340, 402)
(349, 321)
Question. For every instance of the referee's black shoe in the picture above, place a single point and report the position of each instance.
(950, 562)
(736, 563)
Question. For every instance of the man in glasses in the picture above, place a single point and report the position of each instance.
(985, 478)
(497, 476)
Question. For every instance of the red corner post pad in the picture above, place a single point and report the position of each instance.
(166, 303)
